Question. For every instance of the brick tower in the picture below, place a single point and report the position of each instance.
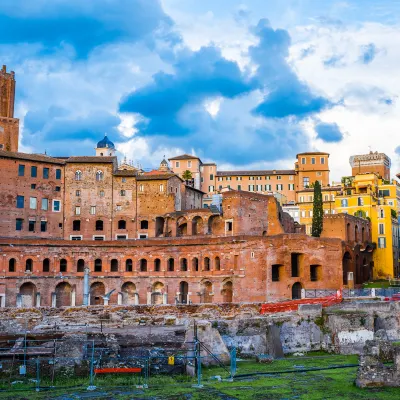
(9, 126)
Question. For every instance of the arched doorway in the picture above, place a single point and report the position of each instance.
(227, 292)
(28, 295)
(129, 294)
(206, 293)
(97, 290)
(346, 266)
(197, 226)
(296, 291)
(63, 294)
(182, 227)
(183, 290)
(157, 293)
(160, 226)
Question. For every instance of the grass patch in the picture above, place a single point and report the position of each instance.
(379, 284)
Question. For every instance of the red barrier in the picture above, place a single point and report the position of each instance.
(293, 305)
(117, 370)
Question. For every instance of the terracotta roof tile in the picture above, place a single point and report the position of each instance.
(92, 159)
(257, 173)
(31, 157)
(184, 157)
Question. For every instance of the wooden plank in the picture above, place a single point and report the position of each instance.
(117, 370)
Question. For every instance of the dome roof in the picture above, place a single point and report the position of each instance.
(105, 143)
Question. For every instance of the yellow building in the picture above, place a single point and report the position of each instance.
(369, 196)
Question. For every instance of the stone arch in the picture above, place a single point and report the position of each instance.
(206, 292)
(171, 264)
(63, 265)
(129, 294)
(12, 265)
(195, 264)
(296, 291)
(183, 292)
(227, 292)
(157, 293)
(28, 293)
(46, 265)
(121, 224)
(197, 225)
(157, 265)
(160, 221)
(184, 264)
(181, 224)
(128, 265)
(210, 224)
(99, 226)
(143, 265)
(63, 293)
(207, 264)
(80, 265)
(346, 266)
(114, 265)
(97, 290)
(217, 263)
(98, 265)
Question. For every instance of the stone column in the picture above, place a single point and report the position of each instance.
(119, 300)
(106, 301)
(149, 298)
(86, 289)
(303, 293)
(3, 301)
(53, 299)
(73, 298)
(165, 298)
(188, 297)
(136, 300)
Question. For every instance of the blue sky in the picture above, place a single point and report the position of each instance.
(242, 83)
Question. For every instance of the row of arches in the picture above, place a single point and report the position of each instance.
(99, 225)
(144, 265)
(64, 294)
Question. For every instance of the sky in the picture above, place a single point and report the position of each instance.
(245, 84)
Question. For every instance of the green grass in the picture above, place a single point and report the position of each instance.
(324, 384)
(376, 284)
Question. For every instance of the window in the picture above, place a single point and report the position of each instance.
(56, 205)
(384, 193)
(157, 265)
(195, 264)
(123, 180)
(78, 175)
(311, 213)
(32, 203)
(29, 265)
(290, 177)
(238, 178)
(268, 188)
(93, 210)
(143, 236)
(189, 164)
(80, 265)
(78, 237)
(20, 201)
(141, 188)
(98, 265)
(43, 226)
(122, 192)
(217, 263)
(314, 272)
(161, 187)
(18, 224)
(77, 193)
(31, 226)
(122, 237)
(278, 177)
(211, 188)
(11, 265)
(45, 204)
(45, 173)
(58, 173)
(360, 201)
(206, 264)
(211, 177)
(326, 197)
(295, 262)
(21, 170)
(381, 213)
(101, 193)
(121, 224)
(98, 237)
(176, 164)
(322, 160)
(220, 178)
(144, 224)
(344, 203)
(258, 188)
(319, 173)
(291, 186)
(128, 265)
(114, 265)
(33, 172)
(306, 181)
(381, 229)
(279, 187)
(251, 178)
(228, 226)
(303, 214)
(251, 188)
(33, 186)
(99, 225)
(76, 225)
(239, 187)
(275, 272)
(382, 243)
(171, 264)
(118, 207)
(57, 189)
(268, 178)
(310, 198)
(303, 160)
(184, 264)
(312, 160)
(63, 265)
(99, 176)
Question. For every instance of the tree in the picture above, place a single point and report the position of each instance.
(318, 212)
(187, 175)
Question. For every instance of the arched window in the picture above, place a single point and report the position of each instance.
(143, 265)
(217, 263)
(99, 225)
(78, 175)
(11, 265)
(171, 263)
(63, 265)
(144, 224)
(80, 266)
(195, 264)
(99, 175)
(114, 265)
(76, 225)
(184, 264)
(98, 265)
(29, 265)
(157, 265)
(206, 264)
(128, 265)
(121, 224)
(46, 265)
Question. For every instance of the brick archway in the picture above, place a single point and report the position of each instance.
(97, 290)
(63, 294)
